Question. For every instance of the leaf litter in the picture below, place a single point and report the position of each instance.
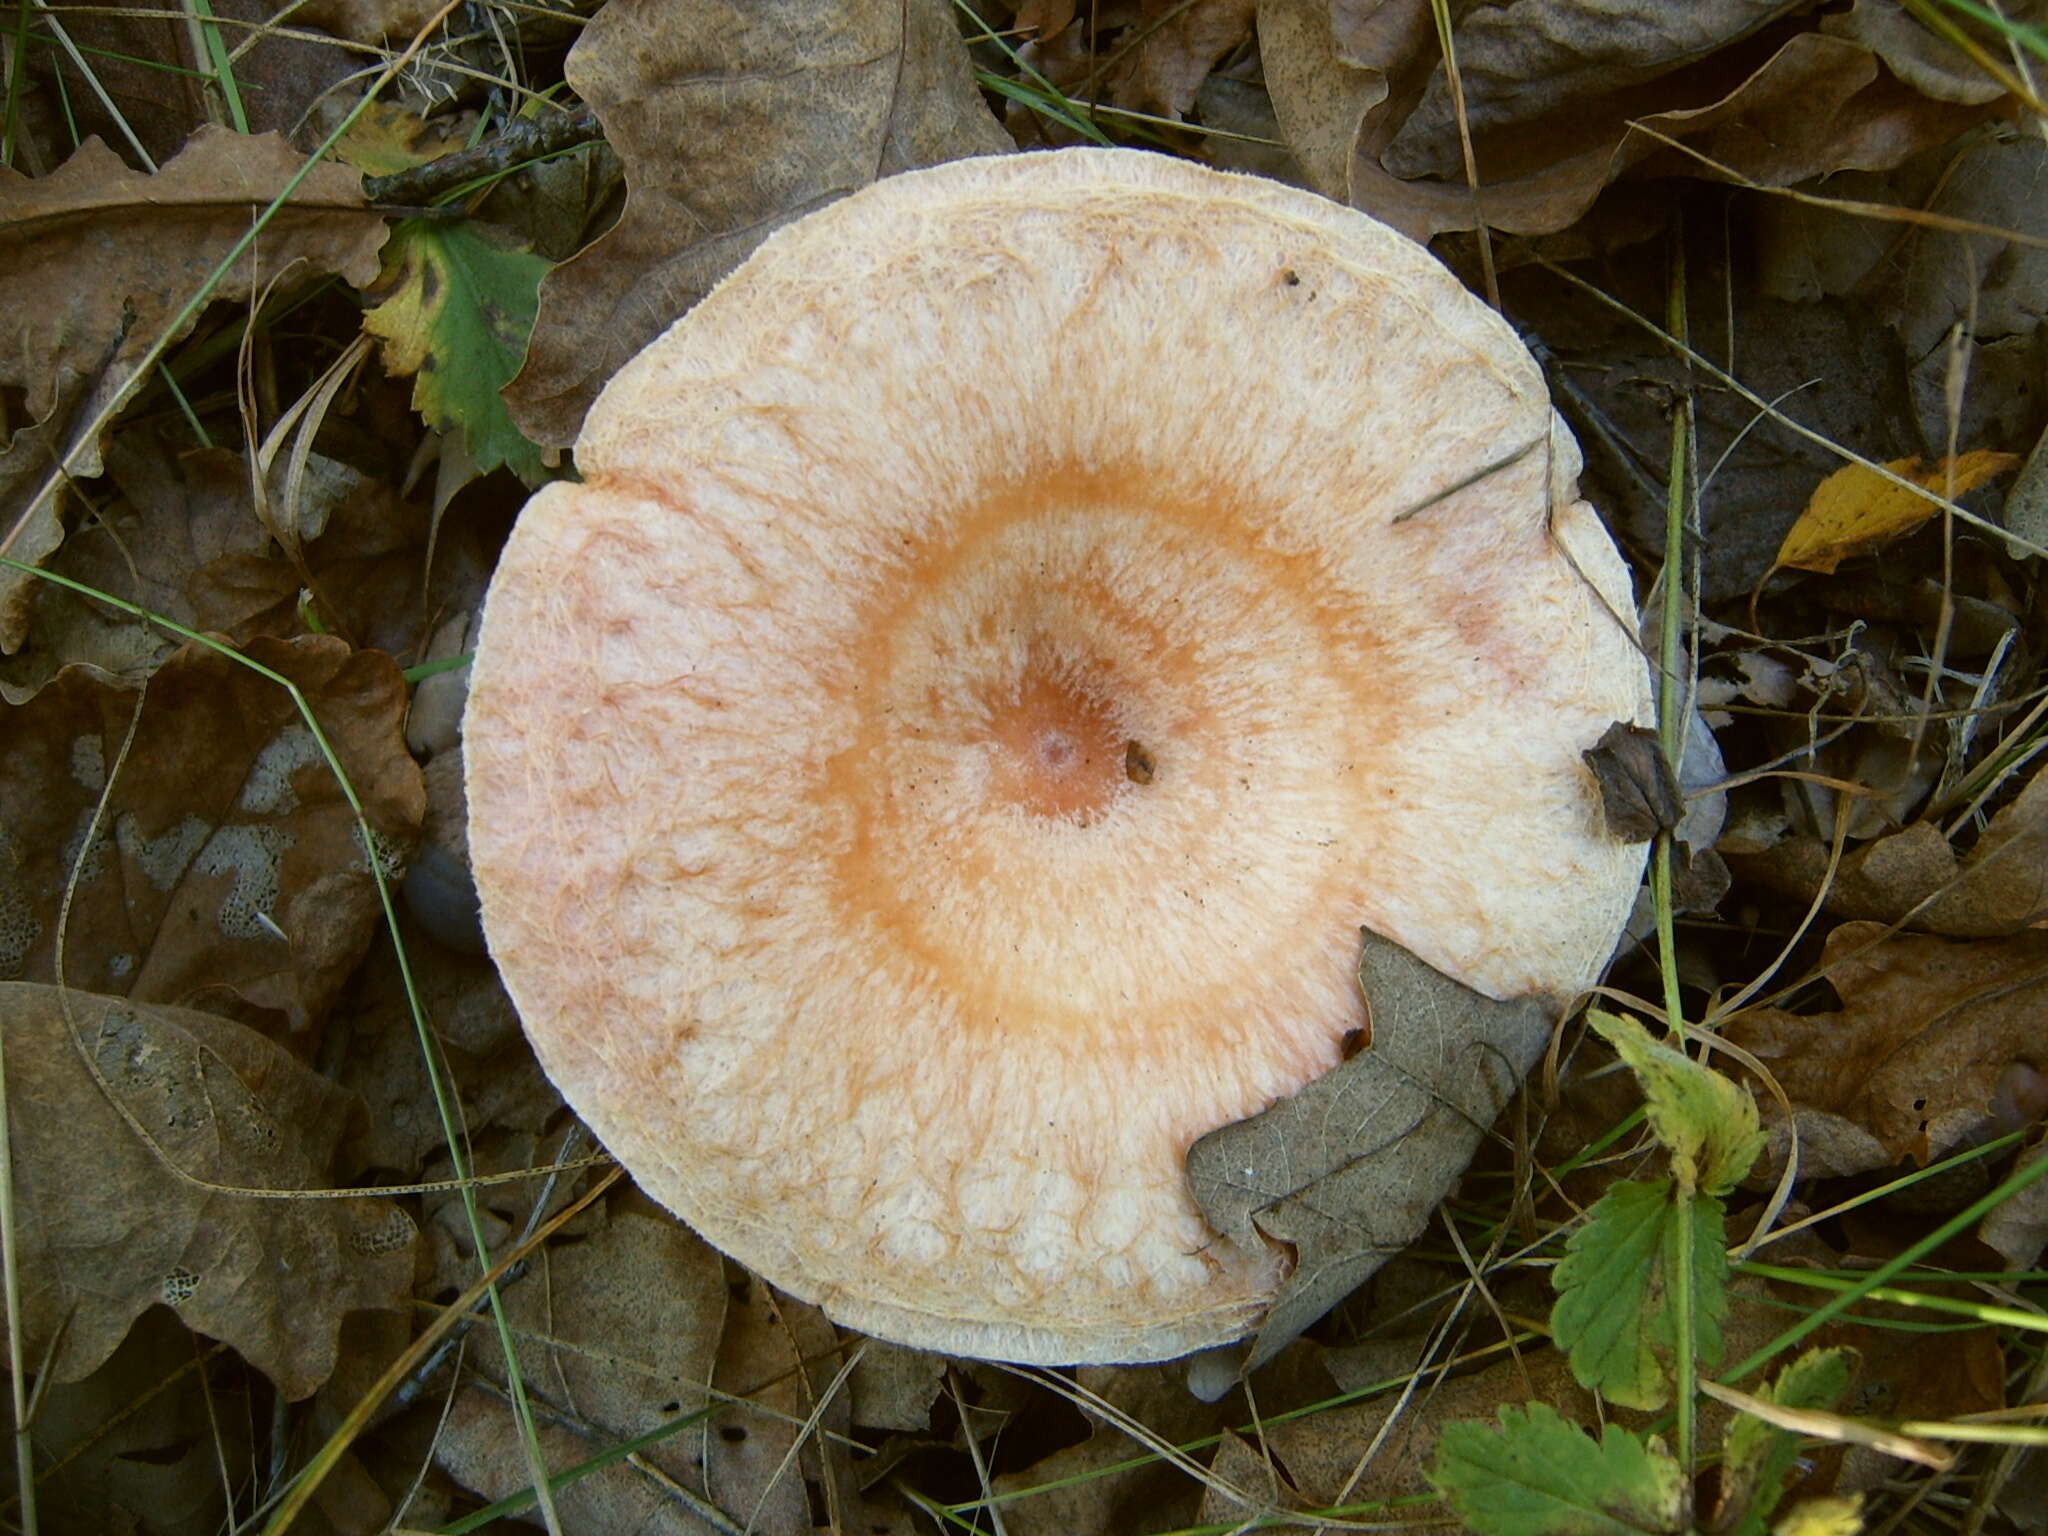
(1873, 718)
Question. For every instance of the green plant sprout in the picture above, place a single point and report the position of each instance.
(1642, 1292)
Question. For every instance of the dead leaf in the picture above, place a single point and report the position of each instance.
(894, 1387)
(1855, 510)
(1771, 107)
(1350, 1169)
(132, 1446)
(1327, 1452)
(785, 106)
(1108, 1482)
(479, 1447)
(1181, 43)
(367, 21)
(617, 1331)
(1639, 793)
(146, 61)
(110, 1229)
(2018, 1230)
(1239, 1469)
(148, 243)
(1916, 878)
(1929, 63)
(1927, 1029)
(760, 1464)
(1327, 67)
(1523, 62)
(226, 864)
(1043, 19)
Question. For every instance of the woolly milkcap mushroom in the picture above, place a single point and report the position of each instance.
(1007, 640)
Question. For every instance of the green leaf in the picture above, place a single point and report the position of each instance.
(1614, 1317)
(1707, 1122)
(1758, 1454)
(1541, 1476)
(456, 304)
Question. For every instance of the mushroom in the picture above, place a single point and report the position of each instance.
(1007, 640)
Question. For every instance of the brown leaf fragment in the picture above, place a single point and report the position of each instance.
(1931, 64)
(779, 1449)
(617, 1335)
(146, 243)
(1916, 878)
(785, 106)
(1328, 67)
(1769, 103)
(272, 1278)
(1523, 61)
(1244, 1483)
(2018, 1229)
(1928, 1030)
(1180, 45)
(479, 1447)
(132, 1447)
(1325, 1452)
(1639, 793)
(1104, 1483)
(894, 1387)
(1350, 1169)
(222, 861)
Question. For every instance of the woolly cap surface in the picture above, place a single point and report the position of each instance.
(1008, 639)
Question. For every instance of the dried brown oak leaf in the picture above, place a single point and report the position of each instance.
(784, 106)
(100, 258)
(226, 867)
(1567, 96)
(113, 1224)
(185, 539)
(1928, 1031)
(621, 1329)
(1915, 877)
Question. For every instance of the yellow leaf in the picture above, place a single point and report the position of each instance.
(1830, 1516)
(386, 139)
(1855, 509)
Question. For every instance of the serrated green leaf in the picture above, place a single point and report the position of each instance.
(1707, 1123)
(1757, 1454)
(457, 301)
(1540, 1476)
(1614, 1316)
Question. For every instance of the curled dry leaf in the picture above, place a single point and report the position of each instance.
(222, 861)
(785, 106)
(145, 244)
(1349, 1169)
(1929, 1032)
(112, 1224)
(1563, 108)
(1916, 878)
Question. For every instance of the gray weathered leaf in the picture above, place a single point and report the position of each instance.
(1349, 1169)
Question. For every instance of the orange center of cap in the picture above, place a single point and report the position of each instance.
(1058, 749)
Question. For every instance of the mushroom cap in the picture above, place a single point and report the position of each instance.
(1008, 639)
